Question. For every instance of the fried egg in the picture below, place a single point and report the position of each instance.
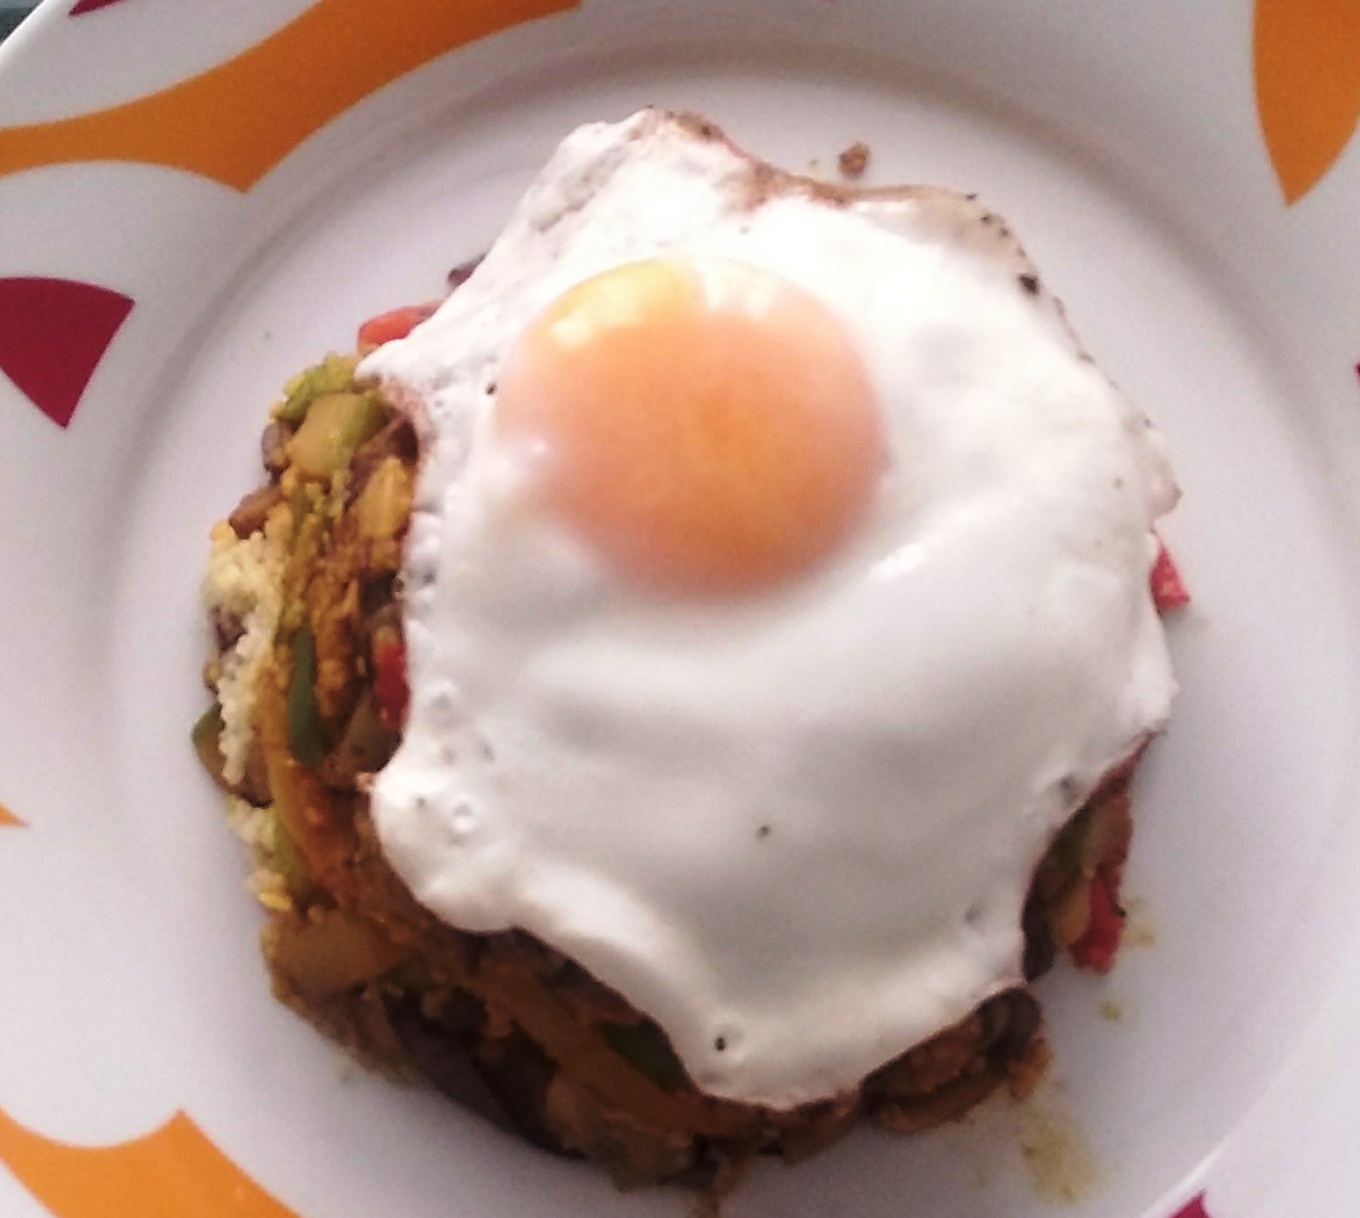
(777, 586)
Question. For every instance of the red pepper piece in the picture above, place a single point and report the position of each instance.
(1097, 948)
(1168, 589)
(398, 323)
(390, 692)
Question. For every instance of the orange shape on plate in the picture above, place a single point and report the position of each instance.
(169, 1173)
(238, 120)
(8, 820)
(1307, 64)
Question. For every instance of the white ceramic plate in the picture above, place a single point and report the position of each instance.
(197, 200)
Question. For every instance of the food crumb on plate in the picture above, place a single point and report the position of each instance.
(1139, 930)
(1112, 1011)
(1061, 1164)
(854, 160)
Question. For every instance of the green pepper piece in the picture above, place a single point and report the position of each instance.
(207, 738)
(645, 1047)
(334, 374)
(305, 736)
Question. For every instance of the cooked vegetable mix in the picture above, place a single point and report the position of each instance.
(568, 1061)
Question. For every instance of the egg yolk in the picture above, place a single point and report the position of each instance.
(705, 425)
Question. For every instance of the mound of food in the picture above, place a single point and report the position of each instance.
(681, 690)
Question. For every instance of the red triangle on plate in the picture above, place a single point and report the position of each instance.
(53, 333)
(1194, 1210)
(89, 6)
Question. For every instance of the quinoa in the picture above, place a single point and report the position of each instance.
(245, 580)
(258, 829)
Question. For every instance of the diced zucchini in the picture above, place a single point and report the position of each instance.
(385, 502)
(334, 374)
(335, 426)
(332, 954)
(306, 738)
